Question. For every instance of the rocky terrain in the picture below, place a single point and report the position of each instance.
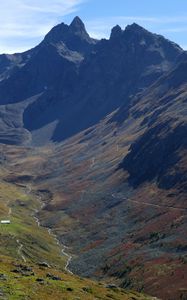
(97, 129)
(70, 74)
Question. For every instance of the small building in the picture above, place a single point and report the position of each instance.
(5, 221)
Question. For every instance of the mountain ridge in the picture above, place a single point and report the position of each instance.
(100, 134)
(68, 61)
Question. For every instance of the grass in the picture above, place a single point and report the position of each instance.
(38, 246)
(69, 287)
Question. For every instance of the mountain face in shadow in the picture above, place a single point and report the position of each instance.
(114, 179)
(70, 75)
(62, 49)
(159, 153)
(70, 82)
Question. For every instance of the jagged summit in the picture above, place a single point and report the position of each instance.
(62, 31)
(74, 36)
(57, 33)
(131, 30)
(135, 27)
(77, 23)
(116, 32)
(77, 27)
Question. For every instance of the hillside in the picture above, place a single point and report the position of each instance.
(32, 263)
(100, 140)
(56, 82)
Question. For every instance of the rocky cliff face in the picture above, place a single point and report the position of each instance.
(71, 75)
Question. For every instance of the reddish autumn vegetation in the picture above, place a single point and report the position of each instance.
(104, 151)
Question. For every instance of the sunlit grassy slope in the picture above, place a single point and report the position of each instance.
(19, 206)
(25, 245)
(40, 286)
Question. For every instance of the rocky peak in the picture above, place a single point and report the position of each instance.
(133, 33)
(62, 31)
(57, 33)
(135, 28)
(77, 24)
(74, 36)
(116, 32)
(138, 35)
(77, 28)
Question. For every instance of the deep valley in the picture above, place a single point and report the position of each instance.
(93, 167)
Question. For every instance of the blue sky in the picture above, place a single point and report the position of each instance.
(25, 22)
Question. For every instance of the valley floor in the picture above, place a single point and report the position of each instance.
(32, 263)
(72, 194)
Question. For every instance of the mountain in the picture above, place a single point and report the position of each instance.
(118, 69)
(51, 70)
(49, 61)
(110, 175)
(162, 147)
(74, 36)
(51, 84)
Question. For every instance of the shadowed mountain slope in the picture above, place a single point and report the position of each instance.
(161, 150)
(118, 190)
(71, 75)
(115, 184)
